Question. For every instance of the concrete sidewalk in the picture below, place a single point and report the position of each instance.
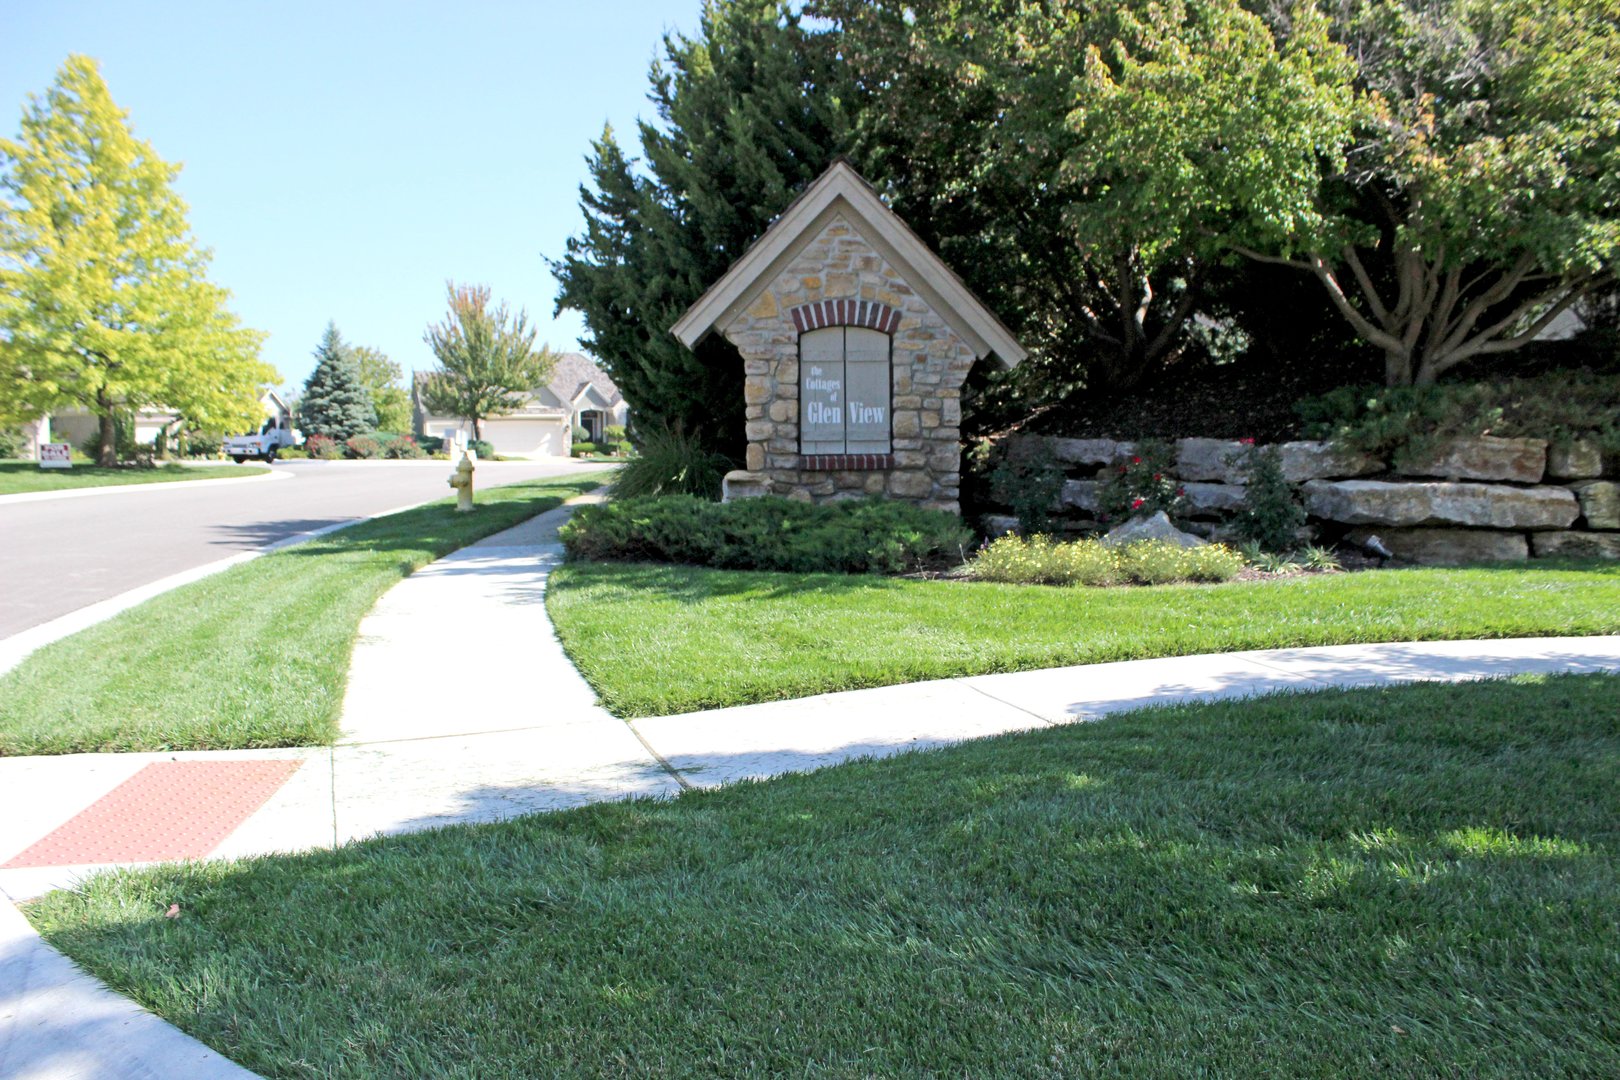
(462, 707)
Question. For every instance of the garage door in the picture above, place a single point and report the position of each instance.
(525, 438)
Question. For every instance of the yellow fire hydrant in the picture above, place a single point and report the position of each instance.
(461, 480)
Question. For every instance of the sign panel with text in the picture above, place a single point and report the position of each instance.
(55, 455)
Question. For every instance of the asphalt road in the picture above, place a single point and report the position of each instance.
(59, 555)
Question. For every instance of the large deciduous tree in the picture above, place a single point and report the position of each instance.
(994, 127)
(384, 381)
(749, 111)
(1478, 197)
(335, 402)
(487, 358)
(105, 302)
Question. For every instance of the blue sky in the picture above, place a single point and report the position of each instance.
(344, 159)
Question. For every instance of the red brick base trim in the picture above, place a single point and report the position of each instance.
(846, 462)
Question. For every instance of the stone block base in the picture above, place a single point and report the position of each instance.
(1447, 547)
(1576, 545)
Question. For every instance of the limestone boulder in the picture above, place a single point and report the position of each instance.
(1302, 461)
(1157, 527)
(1482, 506)
(1080, 495)
(995, 525)
(1575, 545)
(1212, 498)
(1090, 451)
(1211, 459)
(1600, 503)
(742, 484)
(1580, 460)
(1523, 461)
(1447, 547)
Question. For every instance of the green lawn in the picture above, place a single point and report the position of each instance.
(255, 656)
(1421, 881)
(17, 477)
(663, 639)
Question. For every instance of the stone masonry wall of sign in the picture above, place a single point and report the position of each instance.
(834, 330)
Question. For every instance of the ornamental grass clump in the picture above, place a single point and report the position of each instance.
(1040, 560)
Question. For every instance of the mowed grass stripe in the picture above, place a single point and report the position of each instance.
(255, 656)
(20, 477)
(1412, 881)
(655, 640)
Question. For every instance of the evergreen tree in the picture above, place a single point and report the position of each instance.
(335, 402)
(105, 302)
(748, 113)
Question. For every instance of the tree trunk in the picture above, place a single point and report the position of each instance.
(107, 446)
(478, 429)
(1397, 368)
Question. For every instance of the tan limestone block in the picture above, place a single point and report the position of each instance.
(907, 425)
(910, 484)
(889, 297)
(810, 283)
(756, 367)
(907, 401)
(840, 285)
(756, 390)
(754, 412)
(945, 459)
(758, 429)
(764, 307)
(949, 506)
(910, 459)
(754, 456)
(787, 369)
(874, 484)
(781, 410)
(930, 418)
(951, 411)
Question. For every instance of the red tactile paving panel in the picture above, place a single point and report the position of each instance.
(168, 810)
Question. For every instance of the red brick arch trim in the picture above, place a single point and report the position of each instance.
(867, 313)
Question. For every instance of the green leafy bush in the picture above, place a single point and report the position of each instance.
(671, 462)
(770, 533)
(364, 446)
(431, 444)
(482, 448)
(1270, 514)
(1040, 560)
(614, 433)
(1142, 485)
(1027, 480)
(293, 453)
(1403, 423)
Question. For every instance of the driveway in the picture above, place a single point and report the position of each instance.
(63, 554)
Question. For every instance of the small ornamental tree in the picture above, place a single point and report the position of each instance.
(384, 380)
(105, 303)
(335, 402)
(487, 358)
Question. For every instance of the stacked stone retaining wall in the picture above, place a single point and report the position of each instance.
(1470, 500)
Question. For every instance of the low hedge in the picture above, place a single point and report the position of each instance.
(1040, 560)
(871, 536)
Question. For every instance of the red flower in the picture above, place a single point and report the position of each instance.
(1136, 461)
(1136, 504)
(1157, 477)
(1246, 442)
(1181, 491)
(1123, 469)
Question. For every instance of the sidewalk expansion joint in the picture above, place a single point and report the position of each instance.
(971, 685)
(686, 785)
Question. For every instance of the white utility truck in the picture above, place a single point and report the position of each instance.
(263, 445)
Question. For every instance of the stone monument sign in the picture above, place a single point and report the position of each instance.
(856, 340)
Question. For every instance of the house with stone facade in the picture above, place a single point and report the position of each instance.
(856, 340)
(579, 395)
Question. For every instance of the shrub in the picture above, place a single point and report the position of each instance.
(364, 446)
(431, 444)
(1404, 423)
(581, 435)
(1142, 485)
(1040, 560)
(671, 462)
(293, 452)
(1028, 480)
(1270, 514)
(483, 448)
(323, 447)
(403, 448)
(12, 443)
(614, 433)
(768, 533)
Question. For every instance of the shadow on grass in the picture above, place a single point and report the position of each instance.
(1299, 885)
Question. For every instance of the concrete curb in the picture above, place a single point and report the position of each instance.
(131, 489)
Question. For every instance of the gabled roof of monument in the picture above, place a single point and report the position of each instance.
(842, 190)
